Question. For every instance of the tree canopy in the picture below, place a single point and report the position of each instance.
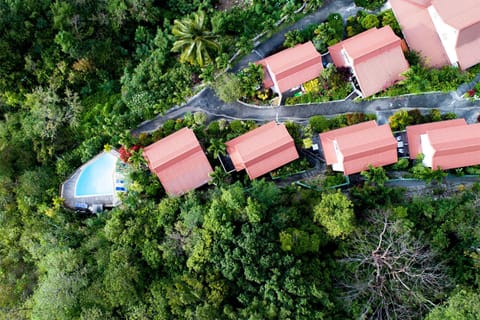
(77, 76)
(194, 39)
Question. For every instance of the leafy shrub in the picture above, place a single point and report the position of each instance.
(334, 180)
(423, 79)
(333, 85)
(434, 115)
(369, 21)
(338, 121)
(353, 27)
(295, 131)
(319, 123)
(294, 37)
(387, 18)
(312, 86)
(449, 116)
(401, 164)
(236, 126)
(228, 87)
(168, 127)
(126, 153)
(403, 118)
(363, 21)
(292, 168)
(355, 117)
(213, 128)
(329, 32)
(251, 79)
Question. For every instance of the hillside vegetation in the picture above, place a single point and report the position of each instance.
(76, 76)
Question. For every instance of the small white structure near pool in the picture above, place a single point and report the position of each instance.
(95, 184)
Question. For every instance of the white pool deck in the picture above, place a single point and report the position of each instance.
(67, 190)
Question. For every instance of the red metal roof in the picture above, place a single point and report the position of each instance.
(422, 3)
(460, 14)
(327, 138)
(454, 147)
(375, 56)
(352, 149)
(262, 150)
(419, 31)
(179, 162)
(414, 132)
(464, 16)
(422, 35)
(291, 67)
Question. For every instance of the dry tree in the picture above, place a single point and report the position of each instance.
(389, 273)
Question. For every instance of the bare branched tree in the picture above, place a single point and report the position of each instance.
(391, 274)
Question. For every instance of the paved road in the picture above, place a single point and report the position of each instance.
(345, 8)
(207, 102)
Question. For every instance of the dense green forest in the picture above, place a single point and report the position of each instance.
(76, 76)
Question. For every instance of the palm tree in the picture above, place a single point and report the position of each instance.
(219, 177)
(195, 42)
(217, 147)
(375, 175)
(137, 160)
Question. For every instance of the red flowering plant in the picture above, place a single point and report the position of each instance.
(126, 153)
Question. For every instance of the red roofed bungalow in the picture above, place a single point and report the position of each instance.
(291, 67)
(451, 147)
(262, 150)
(352, 149)
(444, 31)
(414, 132)
(375, 57)
(179, 162)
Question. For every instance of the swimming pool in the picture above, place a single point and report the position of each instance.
(97, 177)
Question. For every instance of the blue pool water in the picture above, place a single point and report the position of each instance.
(96, 179)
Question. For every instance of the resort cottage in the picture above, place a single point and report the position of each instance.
(262, 150)
(443, 31)
(352, 149)
(179, 162)
(375, 57)
(445, 144)
(288, 69)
